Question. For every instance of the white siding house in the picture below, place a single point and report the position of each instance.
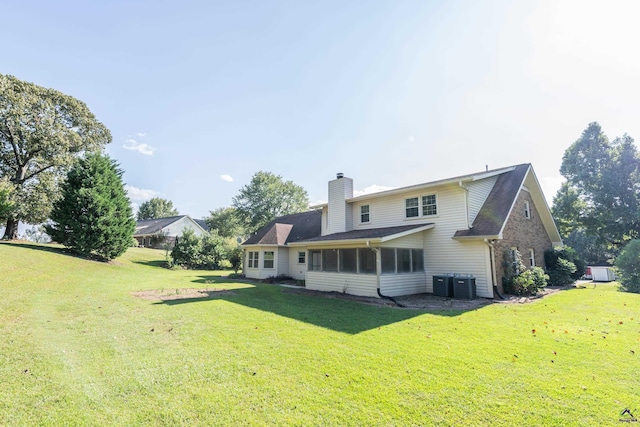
(392, 243)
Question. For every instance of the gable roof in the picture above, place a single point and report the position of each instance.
(202, 223)
(495, 210)
(152, 226)
(492, 217)
(287, 229)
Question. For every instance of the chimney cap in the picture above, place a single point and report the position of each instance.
(339, 175)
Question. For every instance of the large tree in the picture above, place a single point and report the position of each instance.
(156, 208)
(601, 197)
(226, 221)
(266, 197)
(94, 215)
(41, 132)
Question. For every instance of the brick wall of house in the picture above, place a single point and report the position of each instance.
(522, 233)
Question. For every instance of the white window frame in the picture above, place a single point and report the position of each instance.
(527, 209)
(302, 255)
(271, 258)
(532, 258)
(253, 259)
(435, 204)
(416, 207)
(367, 213)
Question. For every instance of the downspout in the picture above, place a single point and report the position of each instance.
(492, 261)
(466, 202)
(378, 270)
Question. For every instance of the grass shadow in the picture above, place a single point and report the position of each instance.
(335, 312)
(153, 263)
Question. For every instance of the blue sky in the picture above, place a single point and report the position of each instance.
(200, 95)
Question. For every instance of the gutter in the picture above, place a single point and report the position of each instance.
(466, 202)
(378, 269)
(492, 260)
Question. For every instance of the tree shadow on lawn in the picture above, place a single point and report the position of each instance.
(333, 311)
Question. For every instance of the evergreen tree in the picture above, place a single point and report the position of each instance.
(93, 216)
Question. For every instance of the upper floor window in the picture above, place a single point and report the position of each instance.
(411, 207)
(527, 210)
(365, 215)
(423, 205)
(429, 205)
(532, 258)
(268, 260)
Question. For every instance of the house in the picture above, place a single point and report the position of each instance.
(394, 242)
(155, 233)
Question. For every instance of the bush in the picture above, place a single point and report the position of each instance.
(563, 265)
(518, 280)
(628, 264)
(562, 273)
(206, 252)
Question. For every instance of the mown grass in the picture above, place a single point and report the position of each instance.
(78, 349)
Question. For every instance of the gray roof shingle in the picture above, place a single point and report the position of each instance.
(287, 229)
(152, 226)
(495, 210)
(371, 233)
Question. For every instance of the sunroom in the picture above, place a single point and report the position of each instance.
(362, 262)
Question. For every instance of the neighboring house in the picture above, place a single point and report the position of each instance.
(148, 231)
(394, 242)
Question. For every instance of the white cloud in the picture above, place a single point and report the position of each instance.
(371, 189)
(141, 134)
(140, 194)
(143, 148)
(227, 178)
(412, 139)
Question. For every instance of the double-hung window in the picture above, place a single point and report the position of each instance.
(268, 260)
(253, 260)
(302, 257)
(429, 205)
(411, 207)
(365, 215)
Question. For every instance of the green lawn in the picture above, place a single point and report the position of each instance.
(78, 348)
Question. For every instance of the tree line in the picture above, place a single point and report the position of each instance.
(52, 168)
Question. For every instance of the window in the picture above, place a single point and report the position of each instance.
(316, 261)
(268, 259)
(388, 260)
(411, 207)
(364, 214)
(367, 260)
(348, 260)
(253, 260)
(302, 257)
(527, 210)
(329, 260)
(429, 205)
(417, 260)
(532, 258)
(404, 260)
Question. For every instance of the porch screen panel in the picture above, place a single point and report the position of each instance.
(329, 260)
(367, 261)
(348, 260)
(388, 260)
(404, 260)
(316, 261)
